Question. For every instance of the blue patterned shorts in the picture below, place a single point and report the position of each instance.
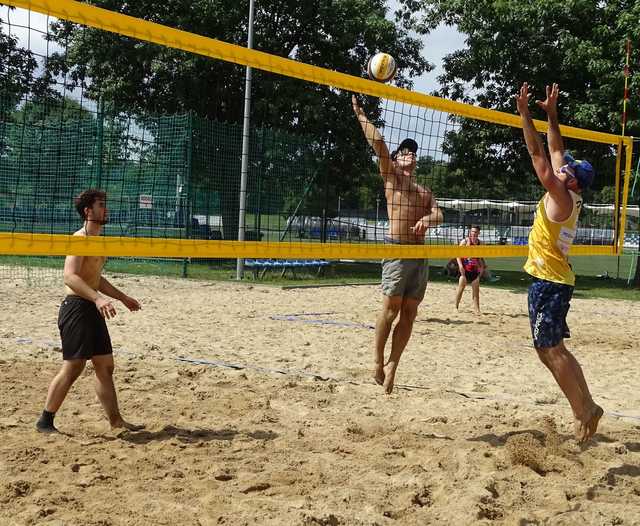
(548, 307)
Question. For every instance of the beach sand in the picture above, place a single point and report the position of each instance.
(283, 424)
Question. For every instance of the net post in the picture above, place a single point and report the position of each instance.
(245, 147)
(186, 208)
(99, 142)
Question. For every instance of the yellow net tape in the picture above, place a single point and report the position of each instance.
(60, 245)
(45, 244)
(151, 32)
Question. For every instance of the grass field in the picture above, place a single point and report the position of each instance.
(583, 266)
(37, 270)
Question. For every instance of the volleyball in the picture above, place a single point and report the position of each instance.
(381, 67)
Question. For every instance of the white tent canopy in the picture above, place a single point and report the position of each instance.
(632, 211)
(464, 205)
(521, 206)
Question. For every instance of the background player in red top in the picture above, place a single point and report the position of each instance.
(470, 270)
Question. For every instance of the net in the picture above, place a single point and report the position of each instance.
(313, 188)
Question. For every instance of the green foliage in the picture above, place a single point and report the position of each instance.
(337, 34)
(48, 148)
(18, 69)
(579, 44)
(302, 134)
(606, 195)
(56, 148)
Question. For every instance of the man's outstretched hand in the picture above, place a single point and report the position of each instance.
(522, 100)
(550, 104)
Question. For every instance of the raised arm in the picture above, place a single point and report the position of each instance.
(541, 164)
(554, 137)
(374, 138)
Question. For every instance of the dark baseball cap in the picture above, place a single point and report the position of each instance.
(409, 144)
(582, 170)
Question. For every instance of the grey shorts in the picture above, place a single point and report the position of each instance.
(405, 277)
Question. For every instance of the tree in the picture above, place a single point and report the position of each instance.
(443, 180)
(579, 44)
(17, 69)
(540, 41)
(18, 78)
(338, 34)
(50, 152)
(607, 195)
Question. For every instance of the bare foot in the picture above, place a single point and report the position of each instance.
(123, 424)
(389, 377)
(584, 430)
(378, 374)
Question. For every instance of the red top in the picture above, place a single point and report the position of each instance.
(471, 264)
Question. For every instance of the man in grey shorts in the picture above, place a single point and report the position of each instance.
(404, 277)
(412, 209)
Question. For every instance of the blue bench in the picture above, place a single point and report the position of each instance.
(261, 266)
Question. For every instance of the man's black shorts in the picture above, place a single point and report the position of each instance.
(83, 330)
(548, 307)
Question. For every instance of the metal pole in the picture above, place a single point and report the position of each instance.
(186, 213)
(99, 141)
(245, 147)
(375, 230)
(625, 98)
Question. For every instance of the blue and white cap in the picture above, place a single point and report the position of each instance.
(582, 170)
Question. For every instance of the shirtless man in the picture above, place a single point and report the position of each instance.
(471, 269)
(412, 209)
(82, 325)
(551, 236)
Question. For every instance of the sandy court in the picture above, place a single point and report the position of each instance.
(476, 432)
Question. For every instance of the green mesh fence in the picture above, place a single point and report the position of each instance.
(171, 176)
(82, 107)
(166, 176)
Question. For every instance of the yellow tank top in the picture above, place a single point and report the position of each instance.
(549, 244)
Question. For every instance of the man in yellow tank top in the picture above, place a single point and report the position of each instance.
(553, 231)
